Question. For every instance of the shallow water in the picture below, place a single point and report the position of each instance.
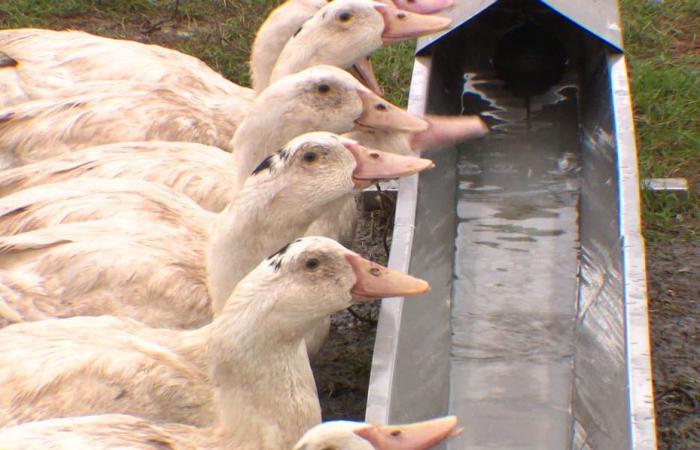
(516, 264)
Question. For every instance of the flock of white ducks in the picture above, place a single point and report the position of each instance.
(140, 202)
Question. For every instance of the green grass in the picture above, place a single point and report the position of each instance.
(44, 13)
(664, 52)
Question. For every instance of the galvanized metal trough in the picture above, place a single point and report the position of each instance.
(536, 331)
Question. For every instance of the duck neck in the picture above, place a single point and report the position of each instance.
(259, 220)
(274, 33)
(263, 132)
(265, 391)
(302, 51)
(191, 345)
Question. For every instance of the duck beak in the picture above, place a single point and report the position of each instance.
(379, 114)
(363, 71)
(400, 25)
(424, 6)
(415, 436)
(448, 130)
(373, 165)
(375, 281)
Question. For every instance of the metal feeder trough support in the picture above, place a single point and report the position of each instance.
(535, 332)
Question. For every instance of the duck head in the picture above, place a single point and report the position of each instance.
(326, 98)
(343, 435)
(320, 167)
(344, 32)
(322, 98)
(315, 276)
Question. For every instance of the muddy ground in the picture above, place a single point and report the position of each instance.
(674, 302)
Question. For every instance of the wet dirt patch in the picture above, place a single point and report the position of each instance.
(674, 302)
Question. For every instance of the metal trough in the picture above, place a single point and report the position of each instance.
(535, 333)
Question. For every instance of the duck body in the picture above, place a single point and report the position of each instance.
(153, 273)
(202, 173)
(39, 129)
(50, 61)
(117, 365)
(106, 432)
(76, 200)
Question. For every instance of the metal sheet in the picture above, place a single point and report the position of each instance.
(415, 374)
(641, 389)
(516, 266)
(402, 360)
(599, 17)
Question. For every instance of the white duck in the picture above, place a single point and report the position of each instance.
(361, 26)
(320, 98)
(343, 435)
(110, 431)
(146, 253)
(288, 18)
(44, 64)
(253, 351)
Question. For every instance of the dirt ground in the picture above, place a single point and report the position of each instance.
(674, 302)
(342, 368)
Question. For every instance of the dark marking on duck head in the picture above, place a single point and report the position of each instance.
(264, 164)
(284, 154)
(276, 258)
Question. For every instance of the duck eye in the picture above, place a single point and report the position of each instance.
(310, 157)
(344, 16)
(323, 88)
(312, 264)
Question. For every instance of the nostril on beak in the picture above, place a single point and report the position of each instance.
(380, 107)
(374, 155)
(401, 15)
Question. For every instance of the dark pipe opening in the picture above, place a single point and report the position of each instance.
(529, 60)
